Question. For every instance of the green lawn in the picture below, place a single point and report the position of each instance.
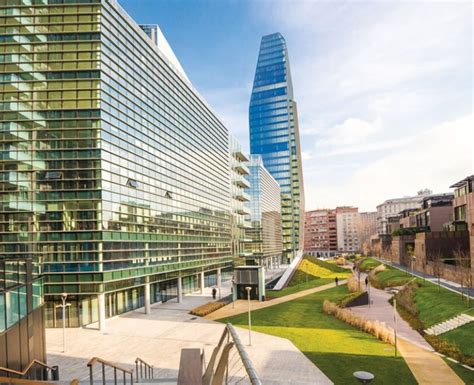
(437, 305)
(466, 375)
(463, 337)
(368, 264)
(390, 277)
(311, 273)
(335, 347)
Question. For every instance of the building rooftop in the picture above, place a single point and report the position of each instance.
(462, 182)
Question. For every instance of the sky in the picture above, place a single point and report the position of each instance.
(384, 88)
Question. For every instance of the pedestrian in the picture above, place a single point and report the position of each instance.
(337, 281)
(214, 292)
(366, 281)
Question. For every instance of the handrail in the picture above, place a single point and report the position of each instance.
(23, 381)
(24, 371)
(148, 369)
(220, 357)
(96, 360)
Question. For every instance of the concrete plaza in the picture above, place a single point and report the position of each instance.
(159, 337)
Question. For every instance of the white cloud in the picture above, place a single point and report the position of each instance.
(435, 158)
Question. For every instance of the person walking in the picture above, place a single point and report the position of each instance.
(366, 281)
(337, 281)
(214, 292)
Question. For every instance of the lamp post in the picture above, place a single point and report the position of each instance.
(63, 306)
(249, 289)
(395, 323)
(232, 289)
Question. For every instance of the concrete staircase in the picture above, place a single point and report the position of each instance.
(450, 324)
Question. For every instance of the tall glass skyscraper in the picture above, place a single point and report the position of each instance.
(114, 171)
(274, 135)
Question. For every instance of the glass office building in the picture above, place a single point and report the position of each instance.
(265, 234)
(114, 172)
(274, 135)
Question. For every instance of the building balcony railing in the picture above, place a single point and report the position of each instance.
(240, 156)
(243, 211)
(242, 169)
(242, 196)
(240, 181)
(245, 225)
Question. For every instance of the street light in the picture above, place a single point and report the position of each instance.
(232, 292)
(249, 289)
(395, 323)
(63, 306)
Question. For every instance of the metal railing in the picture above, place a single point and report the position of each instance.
(24, 381)
(229, 362)
(46, 372)
(143, 369)
(115, 368)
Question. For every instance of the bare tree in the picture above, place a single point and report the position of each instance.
(463, 263)
(437, 259)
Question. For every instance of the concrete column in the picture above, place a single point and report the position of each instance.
(180, 290)
(101, 300)
(201, 278)
(147, 299)
(219, 282)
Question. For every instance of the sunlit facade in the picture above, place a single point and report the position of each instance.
(274, 135)
(266, 244)
(114, 170)
(239, 212)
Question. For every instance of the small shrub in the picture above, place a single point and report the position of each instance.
(376, 328)
(449, 349)
(207, 308)
(354, 285)
(341, 261)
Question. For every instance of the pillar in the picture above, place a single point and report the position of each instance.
(219, 282)
(101, 300)
(201, 278)
(147, 299)
(180, 290)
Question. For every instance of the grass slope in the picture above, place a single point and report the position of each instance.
(311, 273)
(368, 264)
(333, 346)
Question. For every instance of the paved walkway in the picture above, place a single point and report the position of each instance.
(241, 306)
(427, 367)
(159, 337)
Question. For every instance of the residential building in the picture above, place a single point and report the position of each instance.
(239, 184)
(392, 207)
(266, 244)
(367, 228)
(435, 212)
(406, 219)
(320, 233)
(274, 135)
(115, 171)
(347, 224)
(21, 315)
(463, 211)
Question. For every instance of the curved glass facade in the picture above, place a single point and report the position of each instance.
(114, 170)
(274, 134)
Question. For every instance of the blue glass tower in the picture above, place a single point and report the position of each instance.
(274, 135)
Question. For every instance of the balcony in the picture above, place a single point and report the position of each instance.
(241, 182)
(245, 225)
(242, 196)
(240, 156)
(243, 211)
(242, 169)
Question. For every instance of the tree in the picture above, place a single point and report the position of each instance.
(437, 259)
(463, 263)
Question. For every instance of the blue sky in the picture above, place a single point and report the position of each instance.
(384, 88)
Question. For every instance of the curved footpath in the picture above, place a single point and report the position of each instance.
(241, 306)
(427, 367)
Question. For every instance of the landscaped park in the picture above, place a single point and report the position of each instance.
(338, 348)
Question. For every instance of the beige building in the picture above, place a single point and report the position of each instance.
(347, 224)
(367, 227)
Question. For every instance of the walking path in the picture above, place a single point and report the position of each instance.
(241, 306)
(450, 285)
(427, 367)
(159, 337)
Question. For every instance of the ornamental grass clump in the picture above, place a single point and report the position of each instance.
(376, 328)
(207, 308)
(354, 285)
